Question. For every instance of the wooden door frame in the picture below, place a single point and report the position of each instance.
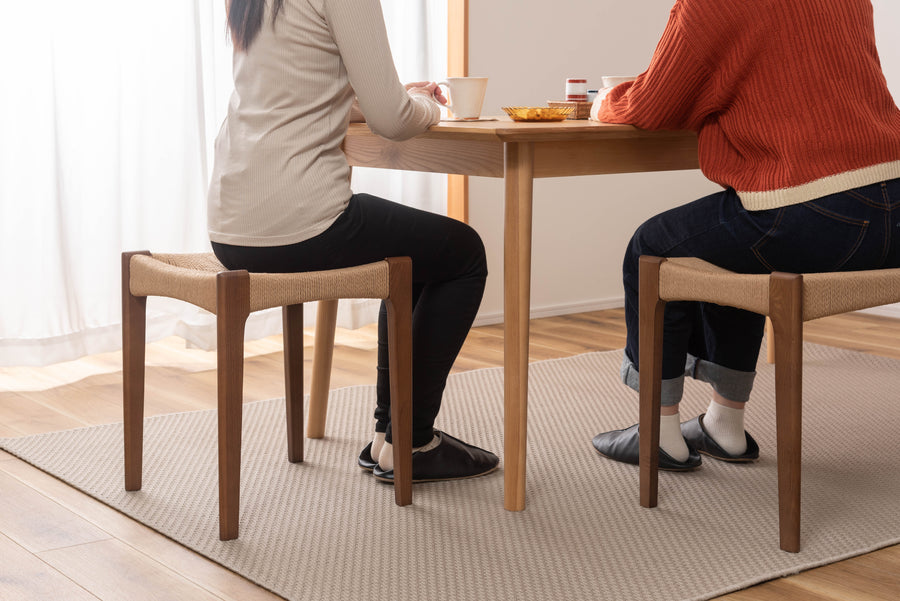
(458, 66)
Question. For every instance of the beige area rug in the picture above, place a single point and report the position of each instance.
(308, 530)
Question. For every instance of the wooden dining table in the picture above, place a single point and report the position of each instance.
(519, 152)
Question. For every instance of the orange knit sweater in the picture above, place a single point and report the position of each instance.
(787, 96)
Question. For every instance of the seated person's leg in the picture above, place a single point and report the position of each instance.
(723, 352)
(715, 228)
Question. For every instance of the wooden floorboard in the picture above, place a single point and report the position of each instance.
(26, 577)
(58, 543)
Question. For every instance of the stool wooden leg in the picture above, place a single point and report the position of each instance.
(134, 311)
(651, 310)
(323, 351)
(399, 312)
(786, 312)
(232, 309)
(292, 319)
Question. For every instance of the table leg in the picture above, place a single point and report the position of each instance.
(518, 174)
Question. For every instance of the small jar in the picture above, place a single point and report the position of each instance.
(576, 89)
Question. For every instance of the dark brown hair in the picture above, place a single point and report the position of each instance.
(245, 18)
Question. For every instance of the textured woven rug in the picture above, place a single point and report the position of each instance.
(308, 530)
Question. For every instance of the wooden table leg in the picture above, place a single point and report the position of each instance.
(519, 171)
(770, 341)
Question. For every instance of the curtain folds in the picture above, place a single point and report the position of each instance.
(108, 120)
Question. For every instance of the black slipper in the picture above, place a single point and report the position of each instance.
(451, 459)
(365, 460)
(697, 436)
(623, 445)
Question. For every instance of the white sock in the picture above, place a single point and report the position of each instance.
(377, 444)
(726, 426)
(670, 439)
(386, 456)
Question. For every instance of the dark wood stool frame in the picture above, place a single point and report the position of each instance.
(232, 310)
(785, 312)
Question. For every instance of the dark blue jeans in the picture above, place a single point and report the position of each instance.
(849, 231)
(449, 273)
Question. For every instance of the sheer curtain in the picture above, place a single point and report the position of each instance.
(107, 118)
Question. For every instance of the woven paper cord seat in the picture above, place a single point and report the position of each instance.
(232, 295)
(788, 300)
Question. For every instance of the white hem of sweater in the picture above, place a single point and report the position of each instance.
(832, 184)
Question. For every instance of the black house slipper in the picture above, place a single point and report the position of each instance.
(623, 445)
(365, 460)
(697, 437)
(451, 459)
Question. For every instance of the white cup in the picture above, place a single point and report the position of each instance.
(611, 81)
(466, 96)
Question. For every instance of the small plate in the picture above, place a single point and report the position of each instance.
(538, 113)
(475, 120)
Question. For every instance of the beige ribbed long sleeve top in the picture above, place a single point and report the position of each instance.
(279, 175)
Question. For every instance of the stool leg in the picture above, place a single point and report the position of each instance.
(292, 319)
(232, 309)
(786, 312)
(399, 313)
(323, 352)
(134, 311)
(650, 319)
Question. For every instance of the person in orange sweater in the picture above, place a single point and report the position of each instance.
(795, 121)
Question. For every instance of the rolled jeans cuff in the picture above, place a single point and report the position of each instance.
(732, 384)
(672, 389)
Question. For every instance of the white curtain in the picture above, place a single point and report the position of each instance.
(107, 117)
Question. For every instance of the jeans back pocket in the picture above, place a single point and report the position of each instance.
(814, 236)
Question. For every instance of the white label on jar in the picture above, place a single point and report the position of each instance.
(576, 86)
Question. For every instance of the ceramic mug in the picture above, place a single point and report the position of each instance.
(466, 95)
(611, 81)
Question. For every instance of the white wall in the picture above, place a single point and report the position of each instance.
(887, 20)
(582, 224)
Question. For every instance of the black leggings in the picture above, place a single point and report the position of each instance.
(449, 272)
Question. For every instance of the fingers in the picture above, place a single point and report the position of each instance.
(428, 88)
(439, 94)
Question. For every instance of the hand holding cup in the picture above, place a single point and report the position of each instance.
(466, 96)
(428, 88)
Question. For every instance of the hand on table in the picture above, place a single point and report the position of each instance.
(595, 107)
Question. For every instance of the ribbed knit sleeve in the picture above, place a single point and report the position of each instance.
(360, 34)
(673, 93)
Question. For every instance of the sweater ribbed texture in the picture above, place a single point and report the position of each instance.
(280, 176)
(787, 96)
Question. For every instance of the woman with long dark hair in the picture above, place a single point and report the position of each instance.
(280, 197)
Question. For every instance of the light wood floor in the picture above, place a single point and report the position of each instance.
(57, 543)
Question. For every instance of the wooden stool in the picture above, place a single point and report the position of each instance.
(788, 300)
(232, 295)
